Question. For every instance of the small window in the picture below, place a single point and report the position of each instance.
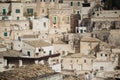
(53, 0)
(44, 24)
(5, 34)
(101, 54)
(30, 11)
(81, 31)
(4, 11)
(17, 10)
(77, 31)
(77, 60)
(39, 50)
(101, 68)
(84, 60)
(78, 12)
(42, 10)
(18, 18)
(18, 45)
(5, 29)
(91, 60)
(44, 0)
(19, 38)
(50, 52)
(84, 30)
(28, 53)
(71, 3)
(37, 54)
(67, 20)
(106, 55)
(97, 14)
(54, 20)
(78, 3)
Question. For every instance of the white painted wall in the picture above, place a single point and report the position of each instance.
(41, 24)
(33, 50)
(3, 49)
(78, 29)
(108, 66)
(56, 67)
(17, 45)
(26, 48)
(47, 49)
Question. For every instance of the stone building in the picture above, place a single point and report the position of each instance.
(37, 48)
(78, 63)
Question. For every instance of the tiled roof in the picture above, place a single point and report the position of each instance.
(90, 39)
(78, 55)
(26, 73)
(59, 42)
(12, 53)
(29, 36)
(37, 43)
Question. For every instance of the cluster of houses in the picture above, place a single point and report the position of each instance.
(57, 33)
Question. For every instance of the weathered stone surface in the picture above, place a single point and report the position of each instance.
(25, 73)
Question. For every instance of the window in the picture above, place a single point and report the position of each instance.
(71, 3)
(5, 34)
(3, 11)
(101, 68)
(78, 3)
(67, 20)
(39, 50)
(77, 60)
(44, 0)
(42, 10)
(50, 52)
(18, 45)
(81, 31)
(101, 54)
(18, 18)
(44, 24)
(40, 0)
(84, 30)
(28, 53)
(77, 31)
(53, 0)
(44, 52)
(91, 60)
(5, 29)
(19, 38)
(54, 20)
(17, 10)
(30, 11)
(106, 55)
(84, 60)
(78, 12)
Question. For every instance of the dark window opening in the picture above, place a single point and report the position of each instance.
(71, 3)
(85, 61)
(28, 53)
(50, 52)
